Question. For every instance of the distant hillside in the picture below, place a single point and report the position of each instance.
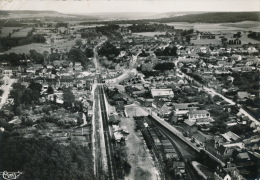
(23, 14)
(199, 17)
(214, 17)
(130, 18)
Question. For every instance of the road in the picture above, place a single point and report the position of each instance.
(7, 87)
(95, 59)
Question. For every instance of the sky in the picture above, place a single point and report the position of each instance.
(160, 6)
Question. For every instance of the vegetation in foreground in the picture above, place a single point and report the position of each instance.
(45, 159)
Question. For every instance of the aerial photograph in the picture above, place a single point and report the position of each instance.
(130, 89)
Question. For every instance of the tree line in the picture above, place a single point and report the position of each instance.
(45, 159)
(8, 42)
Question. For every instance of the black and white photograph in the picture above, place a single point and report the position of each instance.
(129, 89)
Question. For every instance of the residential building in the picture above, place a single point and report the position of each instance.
(183, 108)
(193, 115)
(162, 93)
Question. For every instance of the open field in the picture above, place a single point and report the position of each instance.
(40, 47)
(244, 39)
(133, 110)
(149, 34)
(7, 30)
(244, 24)
(22, 32)
(206, 41)
(240, 26)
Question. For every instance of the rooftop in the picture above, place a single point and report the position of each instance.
(199, 112)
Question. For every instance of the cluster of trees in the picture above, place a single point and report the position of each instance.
(23, 95)
(10, 23)
(110, 30)
(150, 27)
(220, 115)
(143, 54)
(45, 159)
(14, 58)
(114, 96)
(187, 34)
(246, 81)
(77, 55)
(121, 159)
(68, 97)
(38, 58)
(168, 51)
(236, 41)
(164, 66)
(90, 34)
(194, 76)
(109, 50)
(61, 24)
(214, 17)
(237, 35)
(9, 42)
(254, 35)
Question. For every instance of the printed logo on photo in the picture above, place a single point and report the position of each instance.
(10, 175)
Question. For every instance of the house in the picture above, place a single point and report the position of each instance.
(230, 136)
(251, 50)
(241, 95)
(243, 156)
(225, 64)
(221, 174)
(190, 126)
(185, 60)
(114, 119)
(222, 70)
(182, 109)
(236, 57)
(193, 115)
(120, 106)
(247, 69)
(157, 103)
(7, 72)
(148, 102)
(163, 109)
(224, 152)
(162, 93)
(37, 66)
(57, 63)
(66, 81)
(200, 138)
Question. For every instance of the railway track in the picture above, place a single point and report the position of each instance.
(97, 151)
(191, 173)
(111, 165)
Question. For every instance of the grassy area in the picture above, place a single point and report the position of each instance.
(40, 47)
(22, 32)
(206, 41)
(133, 110)
(150, 34)
(7, 30)
(244, 24)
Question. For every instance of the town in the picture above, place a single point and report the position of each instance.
(129, 100)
